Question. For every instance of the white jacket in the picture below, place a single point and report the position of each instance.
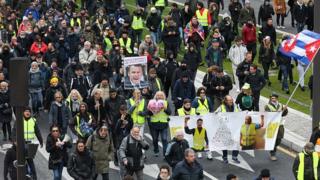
(86, 57)
(237, 54)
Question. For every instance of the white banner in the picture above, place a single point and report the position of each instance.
(224, 129)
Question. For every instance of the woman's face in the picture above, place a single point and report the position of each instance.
(74, 95)
(80, 147)
(82, 108)
(97, 95)
(160, 96)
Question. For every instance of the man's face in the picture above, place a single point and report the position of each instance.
(180, 137)
(135, 132)
(248, 57)
(187, 105)
(274, 99)
(79, 72)
(252, 70)
(103, 132)
(194, 20)
(113, 95)
(34, 66)
(27, 114)
(270, 22)
(190, 157)
(80, 147)
(87, 47)
(185, 79)
(135, 74)
(104, 83)
(229, 101)
(199, 123)
(164, 173)
(148, 39)
(82, 108)
(3, 86)
(152, 75)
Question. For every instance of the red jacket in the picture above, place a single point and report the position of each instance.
(35, 49)
(249, 34)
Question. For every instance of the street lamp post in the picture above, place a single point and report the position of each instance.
(316, 72)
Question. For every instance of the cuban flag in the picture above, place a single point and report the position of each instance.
(302, 46)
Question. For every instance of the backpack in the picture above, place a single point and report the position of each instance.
(246, 101)
(85, 128)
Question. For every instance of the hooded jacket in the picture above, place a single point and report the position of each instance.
(81, 165)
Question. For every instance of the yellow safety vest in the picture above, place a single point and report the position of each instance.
(160, 3)
(158, 84)
(137, 23)
(127, 45)
(273, 109)
(161, 117)
(181, 112)
(72, 22)
(137, 119)
(203, 108)
(315, 159)
(29, 130)
(108, 44)
(199, 139)
(78, 124)
(248, 135)
(203, 19)
(223, 108)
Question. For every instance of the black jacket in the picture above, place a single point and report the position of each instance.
(5, 107)
(170, 66)
(265, 12)
(192, 59)
(57, 154)
(256, 81)
(269, 31)
(9, 158)
(234, 9)
(171, 38)
(221, 81)
(185, 171)
(176, 17)
(81, 166)
(242, 67)
(153, 22)
(266, 55)
(175, 151)
(300, 13)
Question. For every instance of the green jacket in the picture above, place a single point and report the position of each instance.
(102, 151)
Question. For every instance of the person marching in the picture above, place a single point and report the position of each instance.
(275, 106)
(306, 164)
(229, 106)
(202, 103)
(186, 109)
(248, 132)
(204, 17)
(200, 138)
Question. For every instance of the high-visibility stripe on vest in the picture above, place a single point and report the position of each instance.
(202, 18)
(160, 3)
(224, 109)
(315, 159)
(161, 117)
(108, 43)
(78, 124)
(158, 84)
(248, 135)
(273, 109)
(137, 23)
(199, 139)
(162, 25)
(127, 45)
(181, 112)
(203, 108)
(72, 22)
(29, 130)
(137, 119)
(317, 146)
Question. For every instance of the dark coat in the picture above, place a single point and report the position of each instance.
(266, 55)
(308, 166)
(5, 107)
(65, 115)
(57, 154)
(49, 97)
(242, 67)
(221, 81)
(172, 38)
(192, 59)
(235, 9)
(256, 81)
(269, 31)
(95, 113)
(183, 171)
(183, 91)
(175, 151)
(210, 57)
(81, 166)
(265, 12)
(300, 13)
(153, 22)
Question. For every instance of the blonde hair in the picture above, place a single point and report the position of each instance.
(75, 92)
(160, 93)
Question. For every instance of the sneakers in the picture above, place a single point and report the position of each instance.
(278, 27)
(225, 160)
(273, 158)
(199, 154)
(282, 27)
(209, 155)
(236, 160)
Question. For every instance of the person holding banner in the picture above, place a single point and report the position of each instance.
(202, 103)
(159, 121)
(275, 106)
(186, 109)
(137, 108)
(200, 138)
(229, 106)
(248, 133)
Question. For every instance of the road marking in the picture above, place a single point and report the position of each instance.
(160, 144)
(250, 152)
(243, 163)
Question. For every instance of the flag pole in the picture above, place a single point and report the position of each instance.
(304, 73)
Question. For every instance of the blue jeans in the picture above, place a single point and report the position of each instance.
(164, 139)
(300, 27)
(36, 100)
(155, 37)
(284, 69)
(57, 173)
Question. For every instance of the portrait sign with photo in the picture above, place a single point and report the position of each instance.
(135, 72)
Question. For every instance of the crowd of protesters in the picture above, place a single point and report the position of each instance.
(76, 78)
